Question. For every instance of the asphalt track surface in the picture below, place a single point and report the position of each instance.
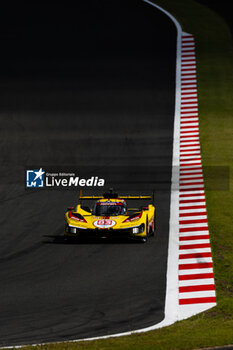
(83, 87)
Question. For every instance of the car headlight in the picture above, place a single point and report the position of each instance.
(138, 229)
(70, 229)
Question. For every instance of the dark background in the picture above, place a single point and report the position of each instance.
(223, 8)
(45, 31)
(37, 38)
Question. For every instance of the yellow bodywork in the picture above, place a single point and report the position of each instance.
(140, 224)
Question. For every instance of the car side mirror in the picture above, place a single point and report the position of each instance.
(70, 208)
(145, 208)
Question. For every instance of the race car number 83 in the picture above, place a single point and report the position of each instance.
(104, 223)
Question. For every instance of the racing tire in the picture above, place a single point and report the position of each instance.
(145, 239)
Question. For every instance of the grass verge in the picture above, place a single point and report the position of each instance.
(215, 88)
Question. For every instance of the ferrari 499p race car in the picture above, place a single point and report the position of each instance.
(109, 217)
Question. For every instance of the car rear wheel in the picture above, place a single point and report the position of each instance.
(145, 238)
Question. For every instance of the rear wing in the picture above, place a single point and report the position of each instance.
(120, 197)
(111, 195)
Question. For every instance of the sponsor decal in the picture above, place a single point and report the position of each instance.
(109, 203)
(40, 178)
(104, 223)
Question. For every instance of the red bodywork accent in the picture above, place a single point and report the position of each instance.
(133, 218)
(71, 216)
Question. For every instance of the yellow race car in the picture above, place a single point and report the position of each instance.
(110, 217)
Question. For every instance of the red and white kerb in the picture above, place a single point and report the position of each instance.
(196, 279)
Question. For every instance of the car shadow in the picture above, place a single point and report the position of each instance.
(61, 239)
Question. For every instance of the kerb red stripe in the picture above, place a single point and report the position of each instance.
(192, 214)
(192, 200)
(196, 276)
(195, 246)
(185, 118)
(193, 229)
(189, 126)
(192, 137)
(195, 255)
(191, 130)
(191, 195)
(188, 51)
(182, 170)
(187, 41)
(187, 289)
(192, 79)
(188, 63)
(189, 88)
(195, 266)
(197, 300)
(193, 238)
(190, 222)
(188, 74)
(192, 183)
(193, 207)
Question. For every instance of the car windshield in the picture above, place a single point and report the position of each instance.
(109, 210)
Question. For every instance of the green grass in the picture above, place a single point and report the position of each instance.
(215, 70)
